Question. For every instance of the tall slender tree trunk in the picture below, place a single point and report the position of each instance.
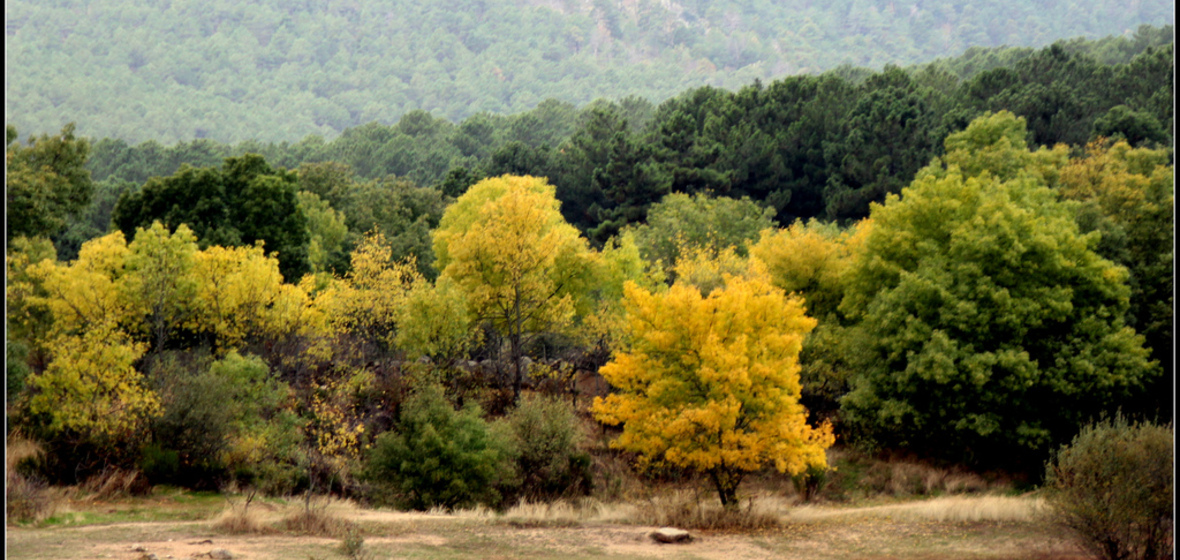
(516, 328)
(518, 378)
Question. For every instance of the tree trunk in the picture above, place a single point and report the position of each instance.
(726, 483)
(516, 329)
(517, 378)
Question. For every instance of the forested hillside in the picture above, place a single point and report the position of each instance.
(276, 71)
(805, 146)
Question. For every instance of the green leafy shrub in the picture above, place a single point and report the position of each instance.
(222, 420)
(545, 434)
(438, 456)
(1112, 487)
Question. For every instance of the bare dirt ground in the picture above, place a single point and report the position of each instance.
(922, 530)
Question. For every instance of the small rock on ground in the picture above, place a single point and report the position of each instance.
(670, 535)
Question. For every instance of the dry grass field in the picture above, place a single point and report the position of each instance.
(868, 508)
(181, 525)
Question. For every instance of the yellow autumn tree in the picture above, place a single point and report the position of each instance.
(91, 388)
(711, 383)
(240, 294)
(523, 269)
(87, 293)
(366, 302)
(811, 259)
(433, 322)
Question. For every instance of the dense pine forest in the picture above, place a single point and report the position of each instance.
(274, 70)
(966, 260)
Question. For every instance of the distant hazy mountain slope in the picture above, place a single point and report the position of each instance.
(277, 70)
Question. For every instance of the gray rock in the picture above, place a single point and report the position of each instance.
(220, 554)
(671, 535)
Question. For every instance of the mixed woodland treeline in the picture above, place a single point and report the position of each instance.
(806, 146)
(965, 269)
(269, 70)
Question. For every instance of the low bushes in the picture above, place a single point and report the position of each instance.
(438, 456)
(545, 435)
(441, 457)
(1112, 488)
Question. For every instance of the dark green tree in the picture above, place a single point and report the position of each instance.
(1136, 127)
(46, 181)
(243, 202)
(892, 131)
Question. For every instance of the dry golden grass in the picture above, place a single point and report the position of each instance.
(691, 510)
(546, 514)
(941, 509)
(18, 448)
(958, 483)
(26, 499)
(114, 483)
(317, 522)
(241, 521)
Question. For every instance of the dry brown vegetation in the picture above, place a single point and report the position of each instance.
(241, 521)
(114, 483)
(27, 499)
(317, 522)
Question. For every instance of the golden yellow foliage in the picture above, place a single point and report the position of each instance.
(367, 301)
(333, 430)
(237, 289)
(706, 268)
(1126, 182)
(711, 382)
(86, 294)
(433, 322)
(92, 388)
(523, 268)
(811, 259)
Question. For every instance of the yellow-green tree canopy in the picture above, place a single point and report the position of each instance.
(523, 269)
(812, 259)
(92, 390)
(367, 301)
(711, 383)
(240, 294)
(1127, 194)
(679, 223)
(988, 327)
(160, 278)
